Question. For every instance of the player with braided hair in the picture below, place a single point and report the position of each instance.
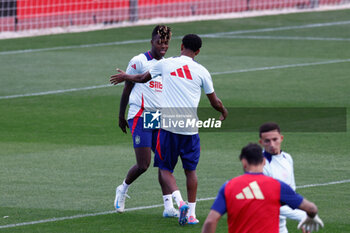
(141, 96)
(164, 32)
(183, 80)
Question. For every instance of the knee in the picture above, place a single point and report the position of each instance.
(191, 174)
(142, 168)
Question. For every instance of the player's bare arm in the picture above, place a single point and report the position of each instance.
(309, 207)
(122, 76)
(312, 222)
(211, 222)
(123, 123)
(217, 105)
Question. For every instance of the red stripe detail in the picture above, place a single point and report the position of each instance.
(180, 73)
(173, 73)
(187, 72)
(150, 55)
(158, 146)
(137, 116)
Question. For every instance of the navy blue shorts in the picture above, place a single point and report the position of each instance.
(142, 137)
(170, 146)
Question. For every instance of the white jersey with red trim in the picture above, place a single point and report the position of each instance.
(143, 95)
(183, 79)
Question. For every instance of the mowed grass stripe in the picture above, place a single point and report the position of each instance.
(317, 25)
(214, 73)
(143, 207)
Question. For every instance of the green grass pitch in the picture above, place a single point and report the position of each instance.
(63, 154)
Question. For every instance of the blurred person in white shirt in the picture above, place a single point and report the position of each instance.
(279, 165)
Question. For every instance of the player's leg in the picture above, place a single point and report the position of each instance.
(168, 181)
(143, 160)
(191, 184)
(167, 178)
(165, 159)
(142, 141)
(169, 210)
(166, 156)
(190, 158)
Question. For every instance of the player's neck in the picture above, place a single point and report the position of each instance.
(154, 55)
(188, 53)
(254, 169)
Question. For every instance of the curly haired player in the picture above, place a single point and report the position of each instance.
(183, 79)
(141, 96)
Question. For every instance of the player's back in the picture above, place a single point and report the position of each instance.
(183, 79)
(253, 202)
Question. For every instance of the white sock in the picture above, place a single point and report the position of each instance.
(177, 197)
(192, 209)
(168, 201)
(125, 187)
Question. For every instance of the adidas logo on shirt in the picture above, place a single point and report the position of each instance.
(183, 72)
(251, 192)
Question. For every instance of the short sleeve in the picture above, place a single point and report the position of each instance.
(134, 66)
(207, 83)
(289, 196)
(219, 204)
(156, 70)
(296, 214)
(292, 179)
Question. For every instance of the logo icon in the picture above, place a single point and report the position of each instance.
(151, 120)
(137, 139)
(133, 66)
(157, 86)
(250, 192)
(183, 72)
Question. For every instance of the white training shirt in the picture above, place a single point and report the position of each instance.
(143, 95)
(281, 167)
(183, 79)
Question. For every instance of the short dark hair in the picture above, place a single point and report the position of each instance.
(268, 126)
(163, 31)
(192, 42)
(252, 153)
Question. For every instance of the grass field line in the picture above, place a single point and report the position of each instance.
(73, 47)
(284, 28)
(282, 66)
(285, 38)
(273, 29)
(55, 91)
(213, 73)
(142, 208)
